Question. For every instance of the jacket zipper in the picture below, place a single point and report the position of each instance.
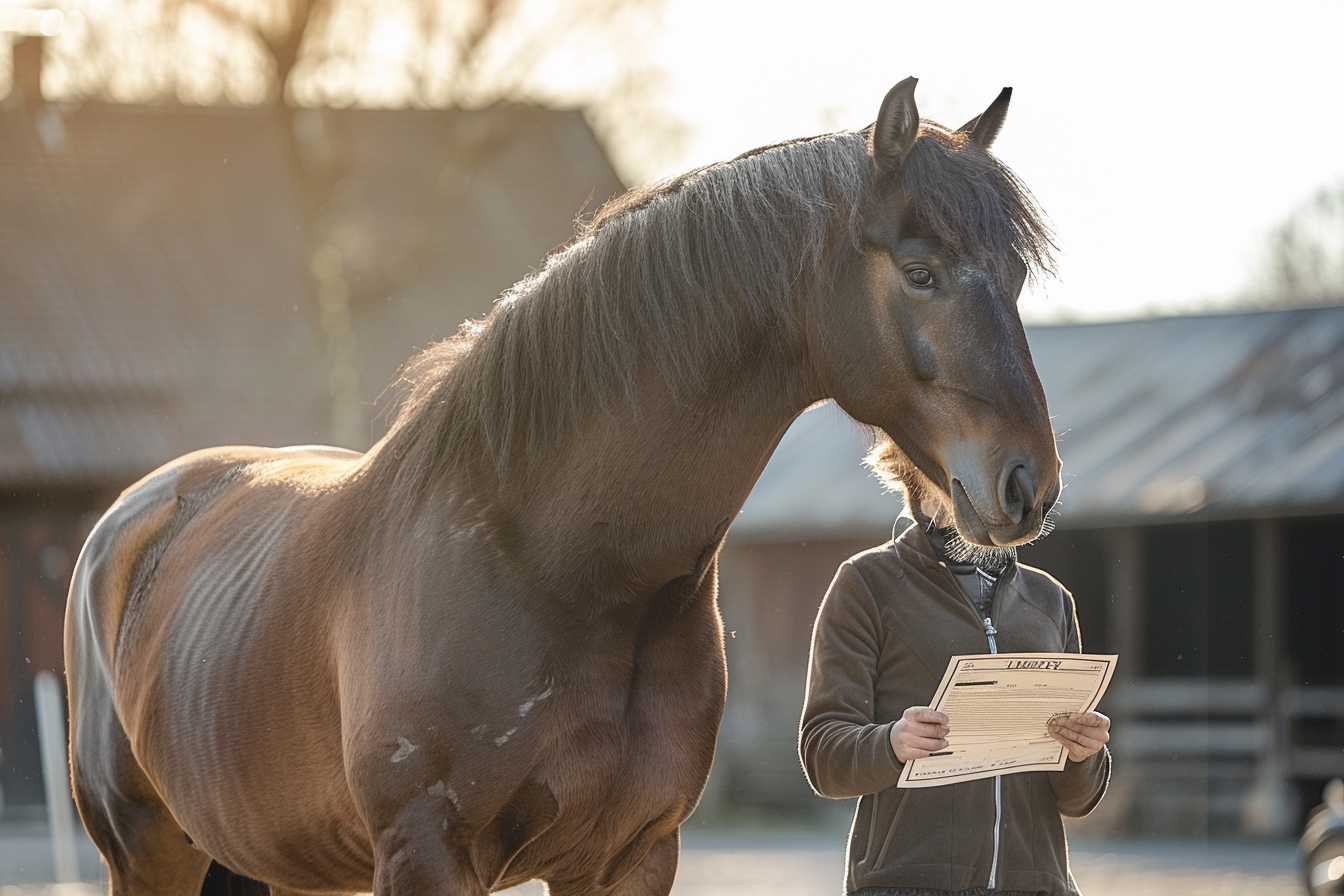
(990, 632)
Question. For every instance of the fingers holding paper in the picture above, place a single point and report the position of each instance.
(918, 732)
(1081, 733)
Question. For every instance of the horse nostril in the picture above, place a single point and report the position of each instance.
(1048, 503)
(1018, 494)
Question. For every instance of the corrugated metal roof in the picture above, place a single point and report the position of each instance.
(1181, 418)
(1234, 415)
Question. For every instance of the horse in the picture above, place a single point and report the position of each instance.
(488, 650)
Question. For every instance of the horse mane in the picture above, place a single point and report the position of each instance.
(690, 274)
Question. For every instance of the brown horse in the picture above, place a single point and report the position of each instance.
(489, 649)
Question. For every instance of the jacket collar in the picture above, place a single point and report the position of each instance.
(911, 532)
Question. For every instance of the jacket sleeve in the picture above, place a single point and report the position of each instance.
(845, 753)
(1081, 785)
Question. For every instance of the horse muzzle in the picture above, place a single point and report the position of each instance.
(1020, 503)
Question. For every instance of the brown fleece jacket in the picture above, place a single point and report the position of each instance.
(890, 620)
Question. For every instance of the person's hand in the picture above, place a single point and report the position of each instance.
(1081, 733)
(919, 732)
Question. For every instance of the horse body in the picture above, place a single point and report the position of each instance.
(573, 755)
(489, 649)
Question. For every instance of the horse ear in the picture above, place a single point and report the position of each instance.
(983, 128)
(897, 127)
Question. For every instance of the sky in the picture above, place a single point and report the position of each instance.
(1164, 140)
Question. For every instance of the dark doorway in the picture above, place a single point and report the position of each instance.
(1314, 580)
(1199, 600)
(1077, 558)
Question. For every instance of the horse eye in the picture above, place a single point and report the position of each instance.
(919, 277)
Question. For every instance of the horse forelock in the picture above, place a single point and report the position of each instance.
(689, 274)
(977, 207)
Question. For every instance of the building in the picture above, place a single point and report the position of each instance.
(1201, 529)
(160, 292)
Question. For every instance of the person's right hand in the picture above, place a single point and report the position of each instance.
(919, 732)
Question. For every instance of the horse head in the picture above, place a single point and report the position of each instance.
(924, 341)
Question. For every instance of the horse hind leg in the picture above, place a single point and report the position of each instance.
(146, 852)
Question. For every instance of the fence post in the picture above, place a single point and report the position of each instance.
(56, 775)
(1270, 809)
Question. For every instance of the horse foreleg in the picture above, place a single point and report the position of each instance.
(651, 877)
(654, 875)
(413, 858)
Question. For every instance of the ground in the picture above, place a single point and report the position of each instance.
(764, 862)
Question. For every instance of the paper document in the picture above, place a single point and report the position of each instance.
(998, 707)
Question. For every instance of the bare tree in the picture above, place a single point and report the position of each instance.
(335, 53)
(299, 57)
(1304, 260)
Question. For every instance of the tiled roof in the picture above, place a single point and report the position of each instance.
(154, 296)
(1181, 418)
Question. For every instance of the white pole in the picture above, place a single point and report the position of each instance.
(56, 776)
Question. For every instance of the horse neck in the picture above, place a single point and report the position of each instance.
(550, 425)
(642, 489)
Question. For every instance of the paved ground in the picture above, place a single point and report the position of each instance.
(809, 863)
(25, 856)
(1127, 868)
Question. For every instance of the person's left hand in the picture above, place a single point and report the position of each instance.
(1081, 733)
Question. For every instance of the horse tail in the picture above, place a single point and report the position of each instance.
(220, 881)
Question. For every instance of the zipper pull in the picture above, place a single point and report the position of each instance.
(990, 632)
